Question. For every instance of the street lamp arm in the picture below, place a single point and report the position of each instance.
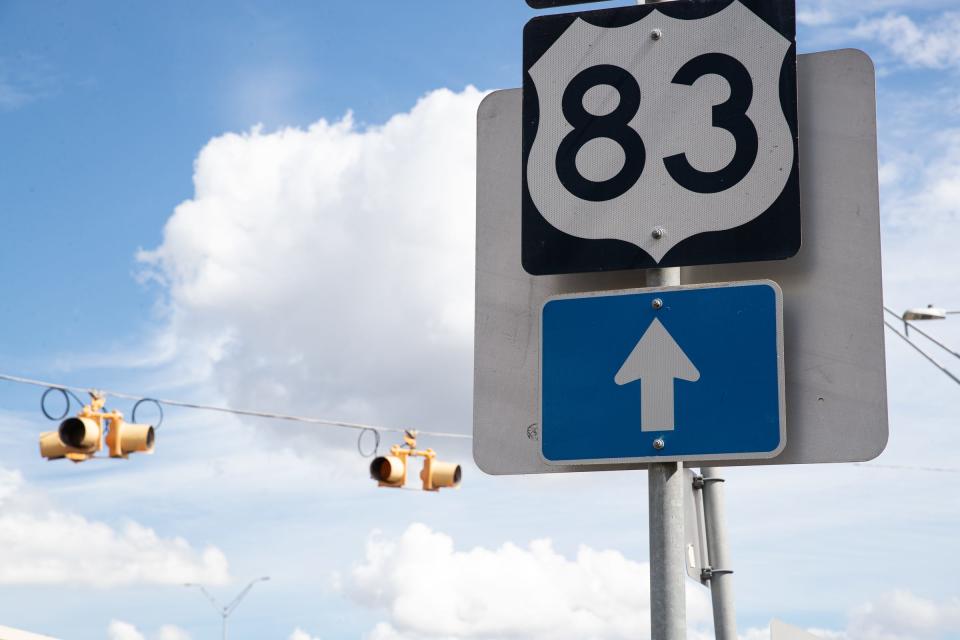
(910, 342)
(907, 325)
(213, 601)
(227, 610)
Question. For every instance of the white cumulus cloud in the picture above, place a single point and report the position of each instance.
(901, 615)
(930, 44)
(119, 630)
(300, 634)
(921, 211)
(815, 16)
(330, 269)
(537, 593)
(817, 13)
(429, 589)
(172, 632)
(40, 544)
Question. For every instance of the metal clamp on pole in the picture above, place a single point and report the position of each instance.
(699, 482)
(709, 572)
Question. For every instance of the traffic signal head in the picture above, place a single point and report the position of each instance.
(52, 447)
(439, 475)
(80, 438)
(77, 439)
(81, 433)
(124, 438)
(389, 471)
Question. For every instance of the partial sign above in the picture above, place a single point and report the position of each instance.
(680, 373)
(546, 4)
(660, 135)
(833, 330)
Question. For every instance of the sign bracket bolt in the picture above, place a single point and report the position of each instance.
(657, 233)
(656, 34)
(659, 444)
(657, 303)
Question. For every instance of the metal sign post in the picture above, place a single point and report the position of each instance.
(668, 592)
(658, 138)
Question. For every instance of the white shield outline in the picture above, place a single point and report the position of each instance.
(672, 119)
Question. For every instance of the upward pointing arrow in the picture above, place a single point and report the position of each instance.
(656, 361)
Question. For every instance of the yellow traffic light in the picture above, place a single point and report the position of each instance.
(391, 470)
(124, 438)
(52, 447)
(438, 475)
(81, 433)
(81, 437)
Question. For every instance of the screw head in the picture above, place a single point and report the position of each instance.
(659, 444)
(657, 233)
(657, 303)
(656, 34)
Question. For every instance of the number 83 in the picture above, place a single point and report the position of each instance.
(730, 116)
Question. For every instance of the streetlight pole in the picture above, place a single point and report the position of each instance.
(225, 611)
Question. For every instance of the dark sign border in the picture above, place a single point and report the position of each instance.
(547, 4)
(774, 235)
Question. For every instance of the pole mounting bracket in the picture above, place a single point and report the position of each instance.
(699, 482)
(709, 572)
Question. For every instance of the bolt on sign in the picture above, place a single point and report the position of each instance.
(660, 135)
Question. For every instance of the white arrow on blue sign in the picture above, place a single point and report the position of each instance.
(682, 373)
(656, 362)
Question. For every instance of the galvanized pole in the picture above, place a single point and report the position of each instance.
(668, 607)
(718, 551)
(668, 603)
(668, 592)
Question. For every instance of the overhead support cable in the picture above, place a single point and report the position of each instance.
(913, 326)
(929, 358)
(267, 415)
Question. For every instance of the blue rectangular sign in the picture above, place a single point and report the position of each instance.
(683, 373)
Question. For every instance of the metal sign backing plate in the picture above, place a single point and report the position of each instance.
(833, 332)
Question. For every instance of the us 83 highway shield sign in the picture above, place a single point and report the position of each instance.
(660, 135)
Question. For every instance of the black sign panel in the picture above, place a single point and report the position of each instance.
(660, 135)
(546, 4)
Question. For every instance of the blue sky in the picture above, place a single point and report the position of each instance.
(158, 242)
